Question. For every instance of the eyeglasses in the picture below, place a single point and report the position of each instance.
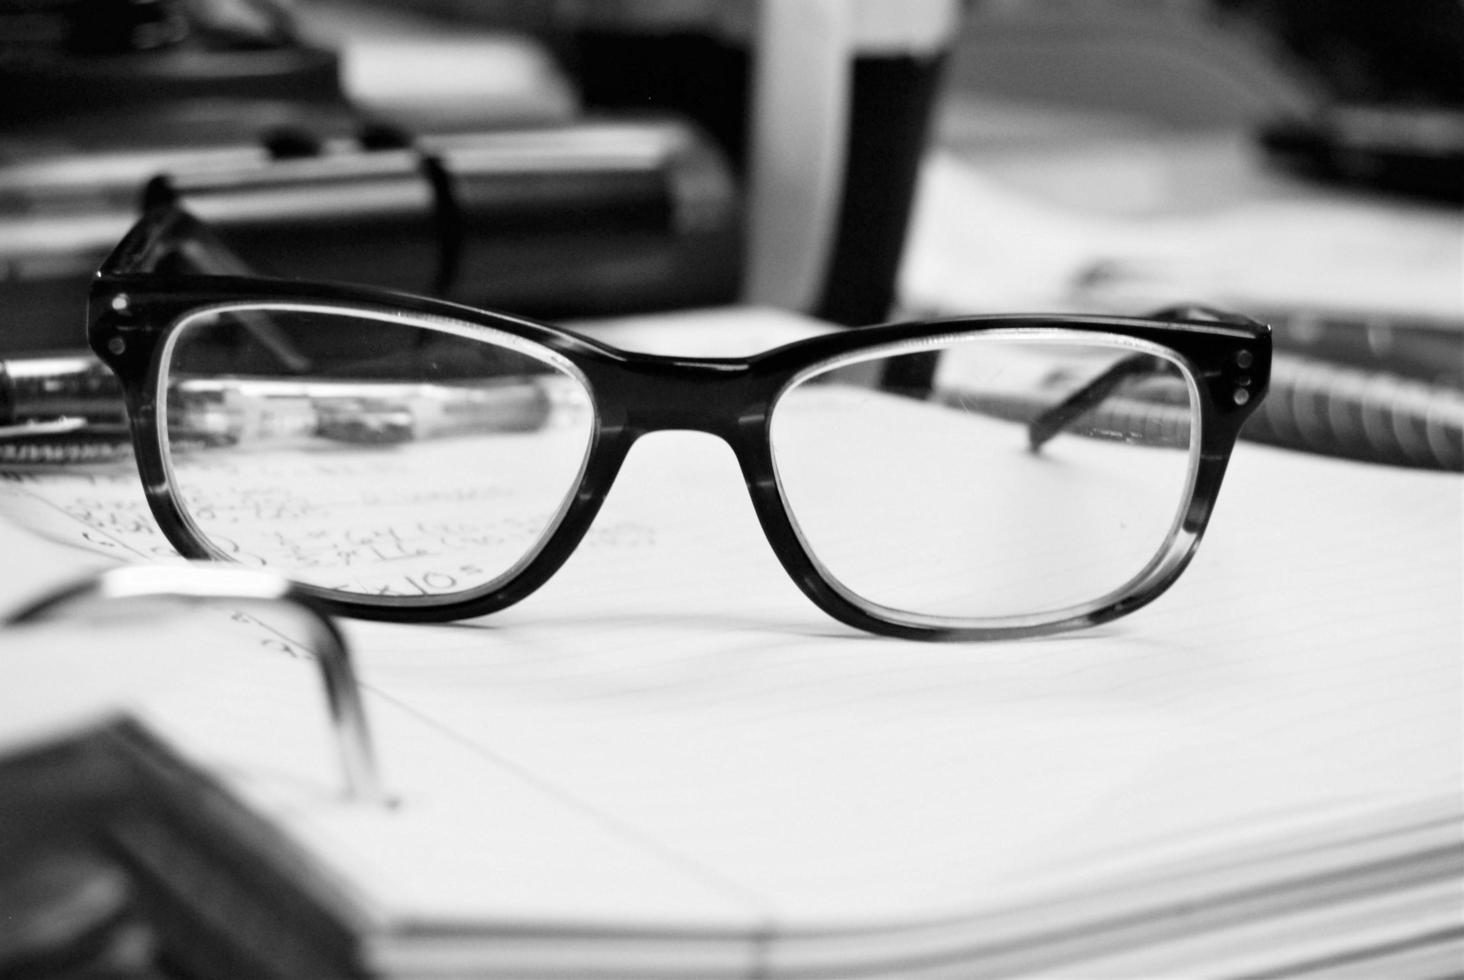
(417, 460)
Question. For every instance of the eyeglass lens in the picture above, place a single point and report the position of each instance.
(370, 454)
(932, 499)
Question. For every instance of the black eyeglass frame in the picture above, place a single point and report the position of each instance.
(134, 307)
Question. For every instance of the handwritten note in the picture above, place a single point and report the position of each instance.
(383, 522)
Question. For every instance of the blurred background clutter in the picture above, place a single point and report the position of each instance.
(1301, 161)
(342, 142)
(851, 159)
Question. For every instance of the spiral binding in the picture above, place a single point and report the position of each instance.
(1360, 414)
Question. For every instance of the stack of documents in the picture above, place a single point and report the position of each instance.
(667, 763)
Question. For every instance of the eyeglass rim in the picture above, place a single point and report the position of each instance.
(471, 332)
(1213, 348)
(1156, 566)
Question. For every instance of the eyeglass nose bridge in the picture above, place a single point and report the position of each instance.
(718, 396)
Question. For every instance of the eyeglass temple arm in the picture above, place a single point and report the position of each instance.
(204, 583)
(1055, 419)
(166, 229)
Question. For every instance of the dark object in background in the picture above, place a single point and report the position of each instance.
(892, 104)
(99, 96)
(705, 72)
(1392, 79)
(1414, 150)
(228, 109)
(590, 218)
(65, 58)
(1366, 51)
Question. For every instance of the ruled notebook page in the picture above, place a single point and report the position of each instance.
(672, 678)
(670, 740)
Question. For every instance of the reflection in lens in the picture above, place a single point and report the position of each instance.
(367, 453)
(992, 476)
